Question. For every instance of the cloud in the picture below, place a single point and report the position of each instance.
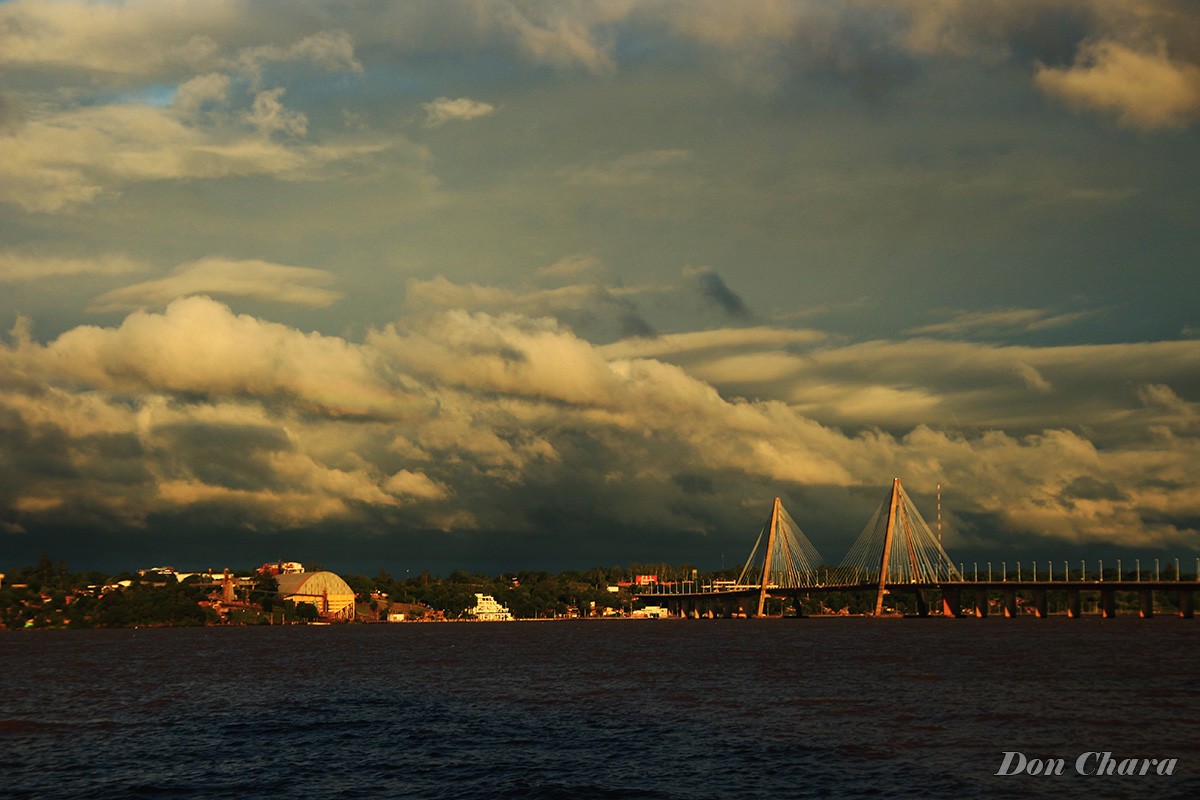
(572, 266)
(453, 418)
(592, 310)
(1023, 320)
(199, 347)
(253, 278)
(444, 110)
(538, 396)
(716, 292)
(21, 268)
(72, 156)
(134, 38)
(958, 385)
(333, 51)
(139, 38)
(202, 91)
(269, 116)
(1091, 54)
(1145, 89)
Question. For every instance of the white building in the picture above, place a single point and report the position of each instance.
(488, 610)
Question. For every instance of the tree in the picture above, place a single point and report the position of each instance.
(306, 611)
(266, 590)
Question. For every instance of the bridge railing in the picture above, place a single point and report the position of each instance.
(1046, 571)
(1020, 571)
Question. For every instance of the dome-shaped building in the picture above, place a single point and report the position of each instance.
(332, 596)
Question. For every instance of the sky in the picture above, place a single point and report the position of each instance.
(549, 285)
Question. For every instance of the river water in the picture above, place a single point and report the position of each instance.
(840, 708)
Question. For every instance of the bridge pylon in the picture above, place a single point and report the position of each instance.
(897, 547)
(789, 559)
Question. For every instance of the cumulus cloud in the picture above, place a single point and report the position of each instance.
(197, 346)
(1145, 89)
(331, 50)
(201, 92)
(269, 115)
(254, 278)
(464, 418)
(594, 311)
(443, 110)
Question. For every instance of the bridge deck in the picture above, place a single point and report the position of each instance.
(1076, 585)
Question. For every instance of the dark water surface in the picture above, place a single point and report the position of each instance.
(661, 709)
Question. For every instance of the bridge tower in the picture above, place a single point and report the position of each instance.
(897, 547)
(774, 527)
(887, 546)
(789, 559)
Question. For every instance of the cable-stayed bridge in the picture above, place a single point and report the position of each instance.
(898, 554)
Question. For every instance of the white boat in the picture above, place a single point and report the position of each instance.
(488, 610)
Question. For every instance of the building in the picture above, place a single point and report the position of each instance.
(488, 610)
(281, 568)
(332, 596)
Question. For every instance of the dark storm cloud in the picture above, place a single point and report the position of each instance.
(230, 456)
(1086, 487)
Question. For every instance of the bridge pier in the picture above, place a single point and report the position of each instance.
(1145, 603)
(1108, 603)
(1010, 603)
(1186, 609)
(1039, 603)
(922, 606)
(981, 604)
(951, 602)
(1073, 603)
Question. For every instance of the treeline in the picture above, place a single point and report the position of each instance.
(48, 595)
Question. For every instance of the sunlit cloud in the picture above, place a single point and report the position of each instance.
(1001, 320)
(444, 110)
(73, 156)
(1145, 89)
(251, 278)
(579, 269)
(20, 268)
(460, 414)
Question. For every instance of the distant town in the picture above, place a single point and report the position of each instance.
(49, 595)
